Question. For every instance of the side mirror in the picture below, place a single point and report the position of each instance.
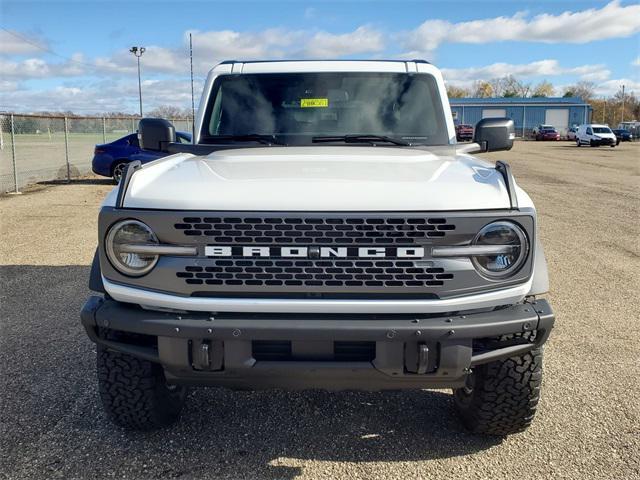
(156, 134)
(495, 134)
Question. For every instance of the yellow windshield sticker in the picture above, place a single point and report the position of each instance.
(314, 102)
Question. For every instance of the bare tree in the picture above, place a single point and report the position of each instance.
(167, 111)
(508, 86)
(512, 87)
(457, 92)
(497, 87)
(584, 90)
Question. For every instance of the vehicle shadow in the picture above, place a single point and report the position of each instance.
(327, 427)
(222, 434)
(270, 434)
(78, 181)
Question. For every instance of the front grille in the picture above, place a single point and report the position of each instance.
(314, 273)
(271, 350)
(319, 230)
(354, 351)
(281, 351)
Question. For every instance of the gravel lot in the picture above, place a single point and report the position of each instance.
(588, 424)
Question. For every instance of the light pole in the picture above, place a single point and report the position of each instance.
(138, 51)
(622, 112)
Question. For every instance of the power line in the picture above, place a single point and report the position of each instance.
(43, 48)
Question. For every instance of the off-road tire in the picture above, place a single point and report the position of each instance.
(501, 397)
(135, 393)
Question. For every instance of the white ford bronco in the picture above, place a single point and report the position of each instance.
(324, 230)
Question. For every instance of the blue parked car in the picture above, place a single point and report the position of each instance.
(110, 159)
(623, 135)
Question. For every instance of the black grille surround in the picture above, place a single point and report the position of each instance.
(276, 275)
(293, 230)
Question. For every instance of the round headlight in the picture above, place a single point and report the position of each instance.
(122, 238)
(508, 261)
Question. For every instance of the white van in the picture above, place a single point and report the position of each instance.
(595, 135)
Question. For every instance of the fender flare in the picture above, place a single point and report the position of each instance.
(540, 283)
(95, 277)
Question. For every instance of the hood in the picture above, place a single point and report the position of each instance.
(319, 178)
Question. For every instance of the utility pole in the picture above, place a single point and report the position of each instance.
(138, 51)
(622, 113)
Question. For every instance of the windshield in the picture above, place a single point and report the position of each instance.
(297, 108)
(601, 130)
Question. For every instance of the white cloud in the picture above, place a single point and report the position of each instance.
(103, 96)
(611, 87)
(636, 62)
(8, 86)
(155, 59)
(542, 68)
(211, 47)
(229, 44)
(611, 21)
(364, 39)
(16, 43)
(38, 68)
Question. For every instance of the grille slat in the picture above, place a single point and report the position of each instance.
(313, 230)
(315, 273)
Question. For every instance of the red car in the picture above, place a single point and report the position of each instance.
(464, 132)
(548, 134)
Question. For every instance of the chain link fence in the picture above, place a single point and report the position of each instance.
(38, 148)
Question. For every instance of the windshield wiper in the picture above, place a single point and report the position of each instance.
(267, 139)
(360, 139)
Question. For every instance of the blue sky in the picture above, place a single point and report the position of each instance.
(74, 55)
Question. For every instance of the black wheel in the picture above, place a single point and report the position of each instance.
(118, 170)
(135, 393)
(500, 398)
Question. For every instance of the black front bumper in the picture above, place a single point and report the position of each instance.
(405, 351)
(605, 141)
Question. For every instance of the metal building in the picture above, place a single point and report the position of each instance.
(527, 113)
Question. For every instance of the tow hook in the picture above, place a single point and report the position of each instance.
(423, 358)
(208, 355)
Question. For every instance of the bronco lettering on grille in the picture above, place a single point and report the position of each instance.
(313, 252)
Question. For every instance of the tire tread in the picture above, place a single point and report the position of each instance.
(134, 392)
(505, 395)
